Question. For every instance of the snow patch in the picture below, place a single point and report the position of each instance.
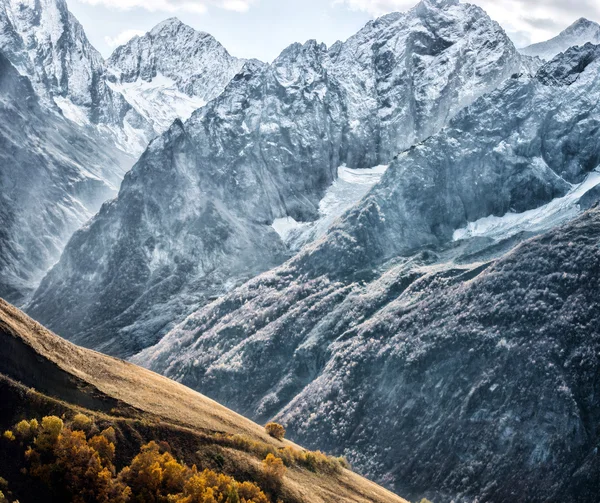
(349, 188)
(283, 226)
(545, 217)
(72, 112)
(159, 100)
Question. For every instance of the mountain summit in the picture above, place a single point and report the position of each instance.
(44, 41)
(580, 32)
(171, 71)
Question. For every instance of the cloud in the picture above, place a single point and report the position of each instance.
(377, 7)
(122, 38)
(197, 6)
(525, 21)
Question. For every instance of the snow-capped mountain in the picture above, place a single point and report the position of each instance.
(171, 71)
(394, 315)
(194, 216)
(581, 32)
(45, 42)
(53, 178)
(146, 84)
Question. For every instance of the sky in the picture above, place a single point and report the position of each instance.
(263, 28)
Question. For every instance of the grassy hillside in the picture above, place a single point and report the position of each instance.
(43, 375)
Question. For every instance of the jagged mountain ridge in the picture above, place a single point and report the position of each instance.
(581, 32)
(46, 43)
(171, 71)
(54, 177)
(268, 147)
(331, 324)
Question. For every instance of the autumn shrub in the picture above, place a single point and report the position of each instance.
(275, 430)
(291, 456)
(51, 428)
(3, 487)
(153, 475)
(25, 430)
(273, 470)
(82, 422)
(344, 463)
(209, 487)
(9, 435)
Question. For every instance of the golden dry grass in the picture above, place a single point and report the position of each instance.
(174, 403)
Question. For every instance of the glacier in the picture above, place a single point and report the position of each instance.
(543, 218)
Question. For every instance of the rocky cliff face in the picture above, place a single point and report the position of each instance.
(388, 318)
(54, 177)
(582, 32)
(193, 217)
(171, 71)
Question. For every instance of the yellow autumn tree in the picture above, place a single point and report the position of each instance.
(79, 469)
(153, 476)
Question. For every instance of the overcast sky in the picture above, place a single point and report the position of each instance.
(263, 28)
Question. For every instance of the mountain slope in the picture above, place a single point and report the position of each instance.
(482, 375)
(170, 72)
(581, 32)
(54, 177)
(343, 326)
(67, 378)
(193, 218)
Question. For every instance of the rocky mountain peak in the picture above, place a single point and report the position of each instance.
(46, 43)
(579, 33)
(168, 25)
(55, 51)
(171, 71)
(582, 24)
(173, 31)
(438, 4)
(172, 49)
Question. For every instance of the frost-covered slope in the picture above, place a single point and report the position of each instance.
(53, 177)
(171, 71)
(194, 216)
(379, 323)
(581, 32)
